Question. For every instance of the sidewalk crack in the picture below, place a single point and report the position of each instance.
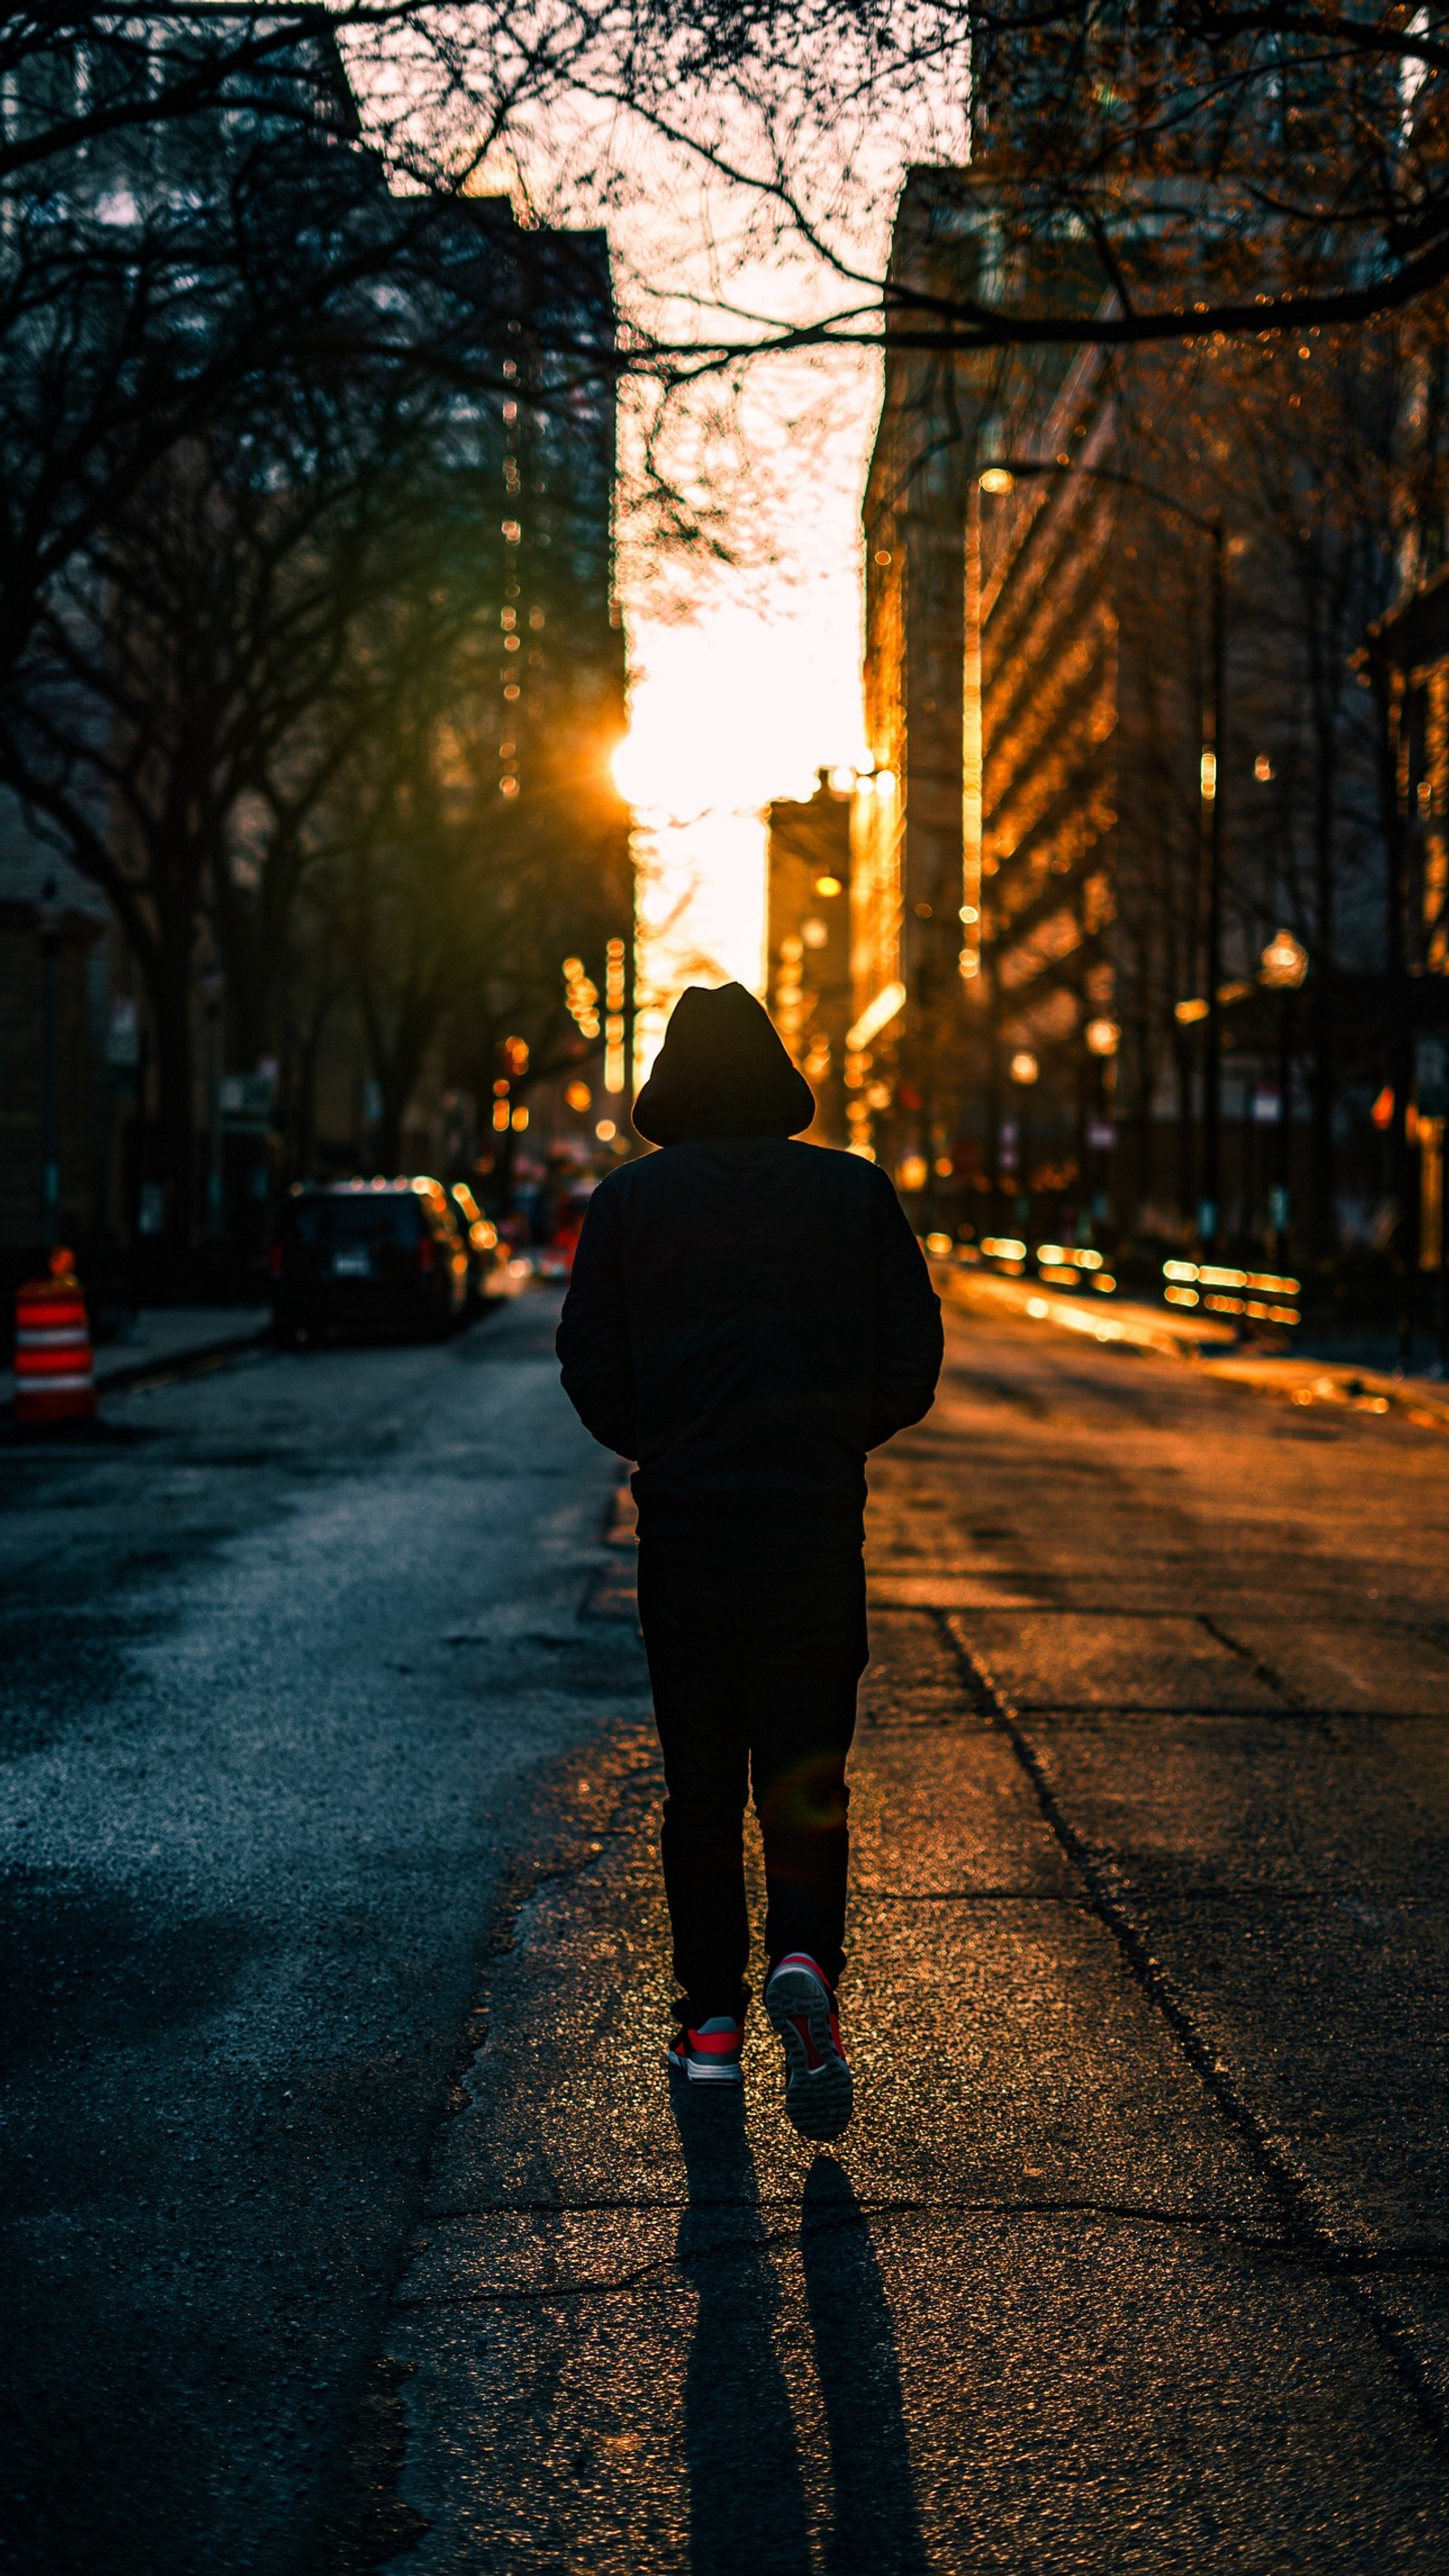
(1304, 2231)
(1258, 1665)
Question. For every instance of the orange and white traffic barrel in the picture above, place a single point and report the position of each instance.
(55, 1378)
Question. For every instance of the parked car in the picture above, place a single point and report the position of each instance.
(368, 1256)
(480, 1236)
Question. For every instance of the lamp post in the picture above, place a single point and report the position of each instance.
(1104, 1038)
(1282, 969)
(999, 477)
(47, 923)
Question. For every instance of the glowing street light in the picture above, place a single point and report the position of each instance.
(1282, 969)
(1285, 962)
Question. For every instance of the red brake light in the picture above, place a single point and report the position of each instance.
(275, 1257)
(425, 1252)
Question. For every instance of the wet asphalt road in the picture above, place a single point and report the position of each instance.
(286, 1663)
(358, 2226)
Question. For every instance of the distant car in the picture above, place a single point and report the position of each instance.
(557, 1258)
(480, 1236)
(368, 1256)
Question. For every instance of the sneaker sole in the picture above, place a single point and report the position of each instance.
(818, 2099)
(702, 2074)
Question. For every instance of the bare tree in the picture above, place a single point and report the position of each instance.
(197, 681)
(1151, 170)
(193, 201)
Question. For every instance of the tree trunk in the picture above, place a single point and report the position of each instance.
(1143, 1155)
(1182, 1051)
(396, 1069)
(308, 1048)
(1404, 1244)
(1323, 1075)
(168, 975)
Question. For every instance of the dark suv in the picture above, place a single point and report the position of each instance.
(367, 1256)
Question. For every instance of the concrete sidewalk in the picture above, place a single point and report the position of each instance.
(166, 1338)
(1213, 1346)
(1133, 2258)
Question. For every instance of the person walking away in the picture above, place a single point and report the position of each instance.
(747, 1318)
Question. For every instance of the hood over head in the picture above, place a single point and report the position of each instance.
(721, 1071)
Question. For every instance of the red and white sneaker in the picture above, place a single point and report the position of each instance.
(709, 2055)
(818, 2090)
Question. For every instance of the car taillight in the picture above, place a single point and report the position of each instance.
(426, 1254)
(276, 1260)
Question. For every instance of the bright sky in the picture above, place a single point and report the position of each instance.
(746, 695)
(745, 673)
(745, 681)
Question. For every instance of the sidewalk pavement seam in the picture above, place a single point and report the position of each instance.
(1305, 2233)
(1350, 1895)
(1198, 1707)
(1129, 2213)
(1435, 1630)
(1321, 2260)
(1297, 1720)
(977, 1896)
(756, 2240)
(879, 2204)
(1257, 1664)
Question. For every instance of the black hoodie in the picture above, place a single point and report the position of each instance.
(747, 1316)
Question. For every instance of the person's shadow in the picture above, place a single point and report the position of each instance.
(747, 2501)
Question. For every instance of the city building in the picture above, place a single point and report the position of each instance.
(924, 1067)
(904, 1071)
(808, 941)
(1091, 808)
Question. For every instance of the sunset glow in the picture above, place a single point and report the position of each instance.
(747, 695)
(744, 649)
(727, 713)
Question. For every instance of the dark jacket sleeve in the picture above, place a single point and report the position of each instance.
(593, 1333)
(908, 1337)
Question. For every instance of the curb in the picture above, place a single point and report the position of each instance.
(202, 1355)
(159, 1369)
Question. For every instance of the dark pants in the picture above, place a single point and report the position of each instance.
(754, 1666)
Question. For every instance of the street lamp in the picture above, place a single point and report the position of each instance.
(1282, 968)
(999, 478)
(47, 923)
(1284, 963)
